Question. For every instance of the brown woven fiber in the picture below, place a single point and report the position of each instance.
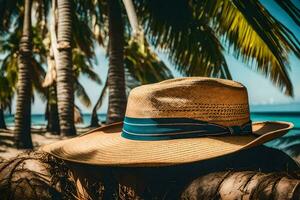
(217, 101)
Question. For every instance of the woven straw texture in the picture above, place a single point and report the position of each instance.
(106, 147)
(212, 100)
(218, 101)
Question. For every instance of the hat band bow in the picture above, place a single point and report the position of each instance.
(177, 128)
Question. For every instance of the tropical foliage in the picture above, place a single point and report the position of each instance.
(142, 66)
(195, 34)
(82, 53)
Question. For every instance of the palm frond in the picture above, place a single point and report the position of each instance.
(81, 94)
(83, 65)
(41, 9)
(142, 65)
(189, 43)
(6, 93)
(100, 22)
(9, 10)
(253, 35)
(291, 9)
(91, 74)
(9, 68)
(83, 35)
(101, 97)
(37, 77)
(191, 37)
(77, 115)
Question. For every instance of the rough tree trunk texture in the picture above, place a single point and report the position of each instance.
(243, 185)
(116, 73)
(65, 90)
(52, 112)
(2, 120)
(23, 105)
(35, 176)
(170, 182)
(94, 118)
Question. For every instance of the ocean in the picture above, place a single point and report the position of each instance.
(294, 117)
(38, 120)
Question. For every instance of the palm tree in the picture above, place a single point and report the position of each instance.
(23, 106)
(83, 39)
(81, 66)
(13, 61)
(65, 91)
(51, 114)
(82, 55)
(116, 73)
(193, 34)
(115, 83)
(98, 104)
(292, 10)
(142, 66)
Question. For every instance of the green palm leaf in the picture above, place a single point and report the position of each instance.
(254, 35)
(189, 42)
(81, 94)
(190, 33)
(290, 9)
(142, 65)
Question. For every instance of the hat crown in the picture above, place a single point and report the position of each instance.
(213, 100)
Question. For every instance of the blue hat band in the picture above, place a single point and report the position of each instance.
(177, 128)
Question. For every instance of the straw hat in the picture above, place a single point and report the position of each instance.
(173, 122)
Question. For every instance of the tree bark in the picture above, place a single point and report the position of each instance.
(65, 90)
(23, 106)
(94, 118)
(52, 112)
(116, 75)
(2, 119)
(37, 175)
(53, 120)
(243, 185)
(33, 176)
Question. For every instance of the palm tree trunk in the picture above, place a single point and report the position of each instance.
(133, 20)
(23, 106)
(94, 118)
(116, 77)
(65, 90)
(243, 185)
(2, 120)
(53, 120)
(52, 112)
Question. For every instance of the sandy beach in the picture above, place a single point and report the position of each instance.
(39, 137)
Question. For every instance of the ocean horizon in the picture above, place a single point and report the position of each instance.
(289, 112)
(290, 116)
(39, 121)
(268, 112)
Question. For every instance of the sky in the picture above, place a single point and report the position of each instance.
(260, 89)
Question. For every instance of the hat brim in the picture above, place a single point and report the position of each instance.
(105, 147)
